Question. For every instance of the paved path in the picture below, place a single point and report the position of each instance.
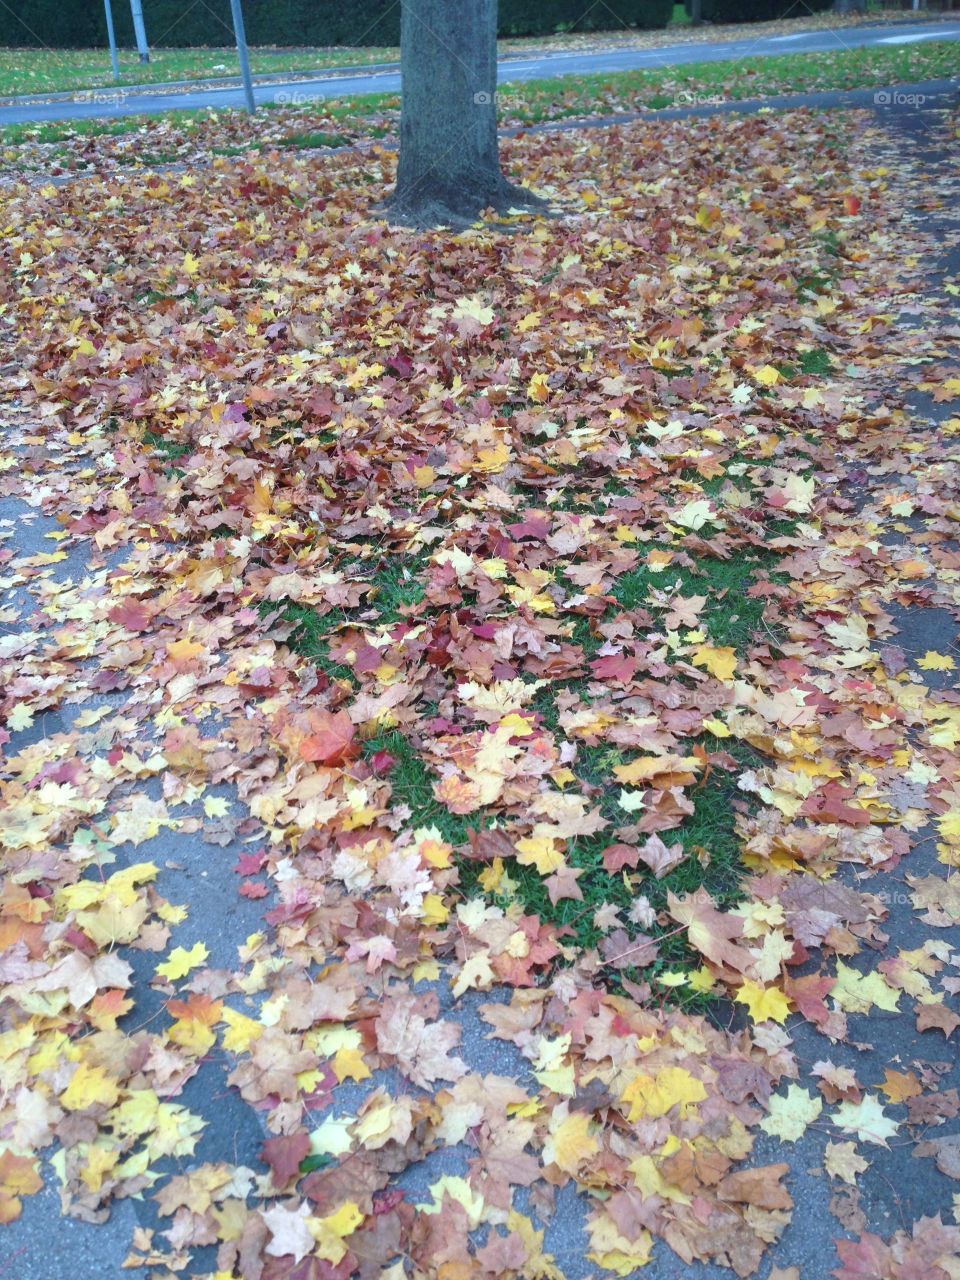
(386, 79)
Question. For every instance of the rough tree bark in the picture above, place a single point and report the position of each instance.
(449, 168)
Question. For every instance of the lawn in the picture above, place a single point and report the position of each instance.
(37, 71)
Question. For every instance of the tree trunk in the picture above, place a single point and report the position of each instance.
(449, 169)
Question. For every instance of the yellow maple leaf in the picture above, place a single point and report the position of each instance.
(21, 717)
(473, 309)
(617, 1253)
(695, 514)
(716, 727)
(842, 1161)
(645, 768)
(656, 1095)
(241, 1031)
(720, 661)
(552, 1067)
(799, 493)
(765, 1004)
(933, 661)
(180, 961)
(136, 1114)
(767, 376)
(89, 1085)
(790, 1113)
(435, 910)
(329, 1232)
(476, 972)
(349, 1064)
(457, 1189)
(538, 391)
(540, 852)
(858, 993)
(194, 1036)
(571, 1142)
(491, 876)
(183, 651)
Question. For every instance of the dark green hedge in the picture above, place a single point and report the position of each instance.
(758, 10)
(178, 24)
(543, 17)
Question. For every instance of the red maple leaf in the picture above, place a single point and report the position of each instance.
(332, 741)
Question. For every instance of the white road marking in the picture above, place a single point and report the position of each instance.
(923, 35)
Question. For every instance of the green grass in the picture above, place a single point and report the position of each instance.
(309, 636)
(29, 71)
(657, 87)
(303, 141)
(396, 591)
(730, 617)
(168, 449)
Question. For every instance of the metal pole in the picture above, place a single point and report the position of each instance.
(136, 12)
(241, 35)
(111, 36)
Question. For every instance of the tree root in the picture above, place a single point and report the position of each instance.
(459, 207)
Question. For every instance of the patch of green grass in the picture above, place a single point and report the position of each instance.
(309, 140)
(397, 589)
(413, 786)
(711, 863)
(730, 616)
(816, 363)
(168, 449)
(66, 130)
(309, 636)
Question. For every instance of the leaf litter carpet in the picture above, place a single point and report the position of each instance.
(509, 625)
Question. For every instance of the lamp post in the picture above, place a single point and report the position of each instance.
(112, 37)
(136, 12)
(241, 35)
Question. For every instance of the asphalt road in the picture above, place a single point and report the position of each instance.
(386, 79)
